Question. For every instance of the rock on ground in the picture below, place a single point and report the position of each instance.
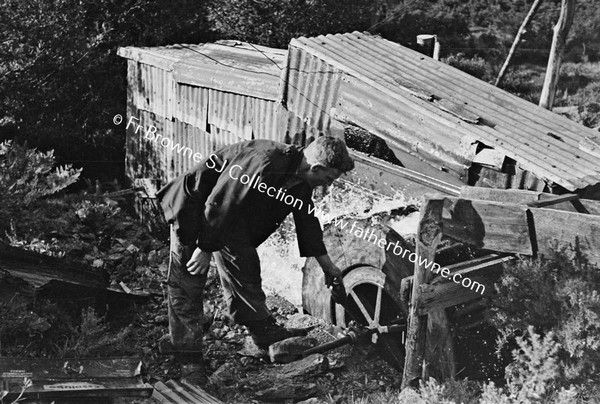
(290, 349)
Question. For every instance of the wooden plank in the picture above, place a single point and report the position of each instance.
(161, 398)
(406, 282)
(439, 361)
(205, 396)
(574, 229)
(524, 197)
(68, 378)
(515, 196)
(165, 391)
(184, 393)
(388, 179)
(494, 226)
(38, 269)
(553, 200)
(443, 292)
(59, 369)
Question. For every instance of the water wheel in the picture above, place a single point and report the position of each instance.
(372, 277)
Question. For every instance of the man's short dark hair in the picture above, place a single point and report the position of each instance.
(330, 152)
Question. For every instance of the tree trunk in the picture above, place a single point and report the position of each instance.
(561, 30)
(513, 48)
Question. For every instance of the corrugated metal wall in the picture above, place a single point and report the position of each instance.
(153, 89)
(198, 118)
(309, 90)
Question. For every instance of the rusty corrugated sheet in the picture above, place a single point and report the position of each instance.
(461, 110)
(152, 88)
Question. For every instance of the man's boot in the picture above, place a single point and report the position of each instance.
(266, 332)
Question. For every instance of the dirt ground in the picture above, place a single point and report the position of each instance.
(104, 234)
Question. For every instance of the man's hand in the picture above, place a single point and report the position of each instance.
(199, 262)
(338, 291)
(333, 279)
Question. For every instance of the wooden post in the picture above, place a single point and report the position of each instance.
(520, 32)
(427, 41)
(429, 236)
(561, 30)
(436, 48)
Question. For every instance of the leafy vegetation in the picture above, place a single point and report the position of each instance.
(275, 22)
(559, 296)
(26, 175)
(61, 81)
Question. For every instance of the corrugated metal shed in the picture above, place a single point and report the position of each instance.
(430, 110)
(201, 97)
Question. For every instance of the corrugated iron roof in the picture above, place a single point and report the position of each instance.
(462, 109)
(229, 66)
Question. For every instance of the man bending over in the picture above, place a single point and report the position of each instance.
(228, 205)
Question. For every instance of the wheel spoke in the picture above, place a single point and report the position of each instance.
(378, 305)
(361, 306)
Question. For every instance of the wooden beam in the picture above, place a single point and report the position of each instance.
(553, 200)
(559, 39)
(571, 228)
(523, 197)
(407, 282)
(385, 177)
(39, 269)
(443, 292)
(428, 239)
(72, 378)
(488, 225)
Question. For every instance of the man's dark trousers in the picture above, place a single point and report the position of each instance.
(239, 270)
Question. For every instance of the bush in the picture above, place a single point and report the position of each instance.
(275, 22)
(94, 339)
(61, 81)
(26, 175)
(475, 66)
(558, 295)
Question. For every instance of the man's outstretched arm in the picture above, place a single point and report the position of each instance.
(328, 266)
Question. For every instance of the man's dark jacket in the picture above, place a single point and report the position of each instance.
(208, 208)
